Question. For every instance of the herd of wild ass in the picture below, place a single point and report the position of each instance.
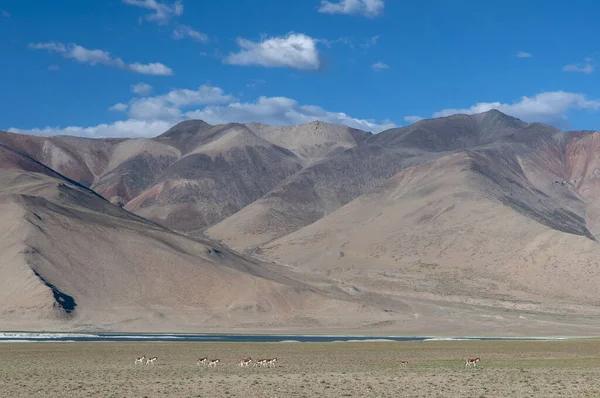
(212, 363)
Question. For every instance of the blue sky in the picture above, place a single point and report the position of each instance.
(136, 67)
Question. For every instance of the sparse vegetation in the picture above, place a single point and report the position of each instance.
(515, 369)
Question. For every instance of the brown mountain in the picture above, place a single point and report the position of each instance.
(324, 187)
(190, 177)
(72, 260)
(222, 169)
(469, 224)
(313, 141)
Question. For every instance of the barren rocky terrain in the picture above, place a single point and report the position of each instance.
(469, 224)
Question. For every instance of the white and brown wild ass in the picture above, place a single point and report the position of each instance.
(151, 361)
(202, 361)
(140, 360)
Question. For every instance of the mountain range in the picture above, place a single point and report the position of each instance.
(467, 224)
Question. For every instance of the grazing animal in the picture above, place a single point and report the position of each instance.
(150, 361)
(472, 362)
(271, 362)
(202, 361)
(140, 360)
(214, 362)
(404, 363)
(245, 362)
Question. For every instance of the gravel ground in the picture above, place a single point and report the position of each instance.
(435, 369)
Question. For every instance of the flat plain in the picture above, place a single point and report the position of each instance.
(558, 368)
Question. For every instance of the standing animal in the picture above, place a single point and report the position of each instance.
(472, 361)
(202, 361)
(260, 362)
(214, 362)
(151, 361)
(140, 360)
(404, 363)
(245, 362)
(271, 362)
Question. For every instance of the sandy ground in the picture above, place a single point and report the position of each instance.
(436, 369)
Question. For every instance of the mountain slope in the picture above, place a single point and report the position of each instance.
(73, 260)
(224, 169)
(313, 141)
(323, 187)
(191, 176)
(463, 228)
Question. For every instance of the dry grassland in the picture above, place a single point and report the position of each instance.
(436, 369)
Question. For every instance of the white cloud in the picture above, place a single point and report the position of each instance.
(100, 57)
(586, 68)
(379, 66)
(548, 107)
(296, 51)
(141, 89)
(155, 69)
(120, 107)
(183, 31)
(523, 54)
(149, 117)
(367, 8)
(169, 106)
(163, 12)
(282, 111)
(123, 128)
(412, 119)
(153, 108)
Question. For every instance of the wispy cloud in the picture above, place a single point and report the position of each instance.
(101, 57)
(141, 89)
(297, 51)
(523, 54)
(329, 43)
(6, 14)
(371, 42)
(183, 31)
(379, 66)
(151, 116)
(53, 67)
(255, 83)
(162, 12)
(367, 8)
(586, 67)
(120, 107)
(547, 107)
(412, 119)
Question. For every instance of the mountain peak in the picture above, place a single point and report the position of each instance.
(496, 118)
(180, 134)
(186, 127)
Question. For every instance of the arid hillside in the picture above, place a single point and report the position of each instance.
(464, 224)
(72, 260)
(194, 175)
